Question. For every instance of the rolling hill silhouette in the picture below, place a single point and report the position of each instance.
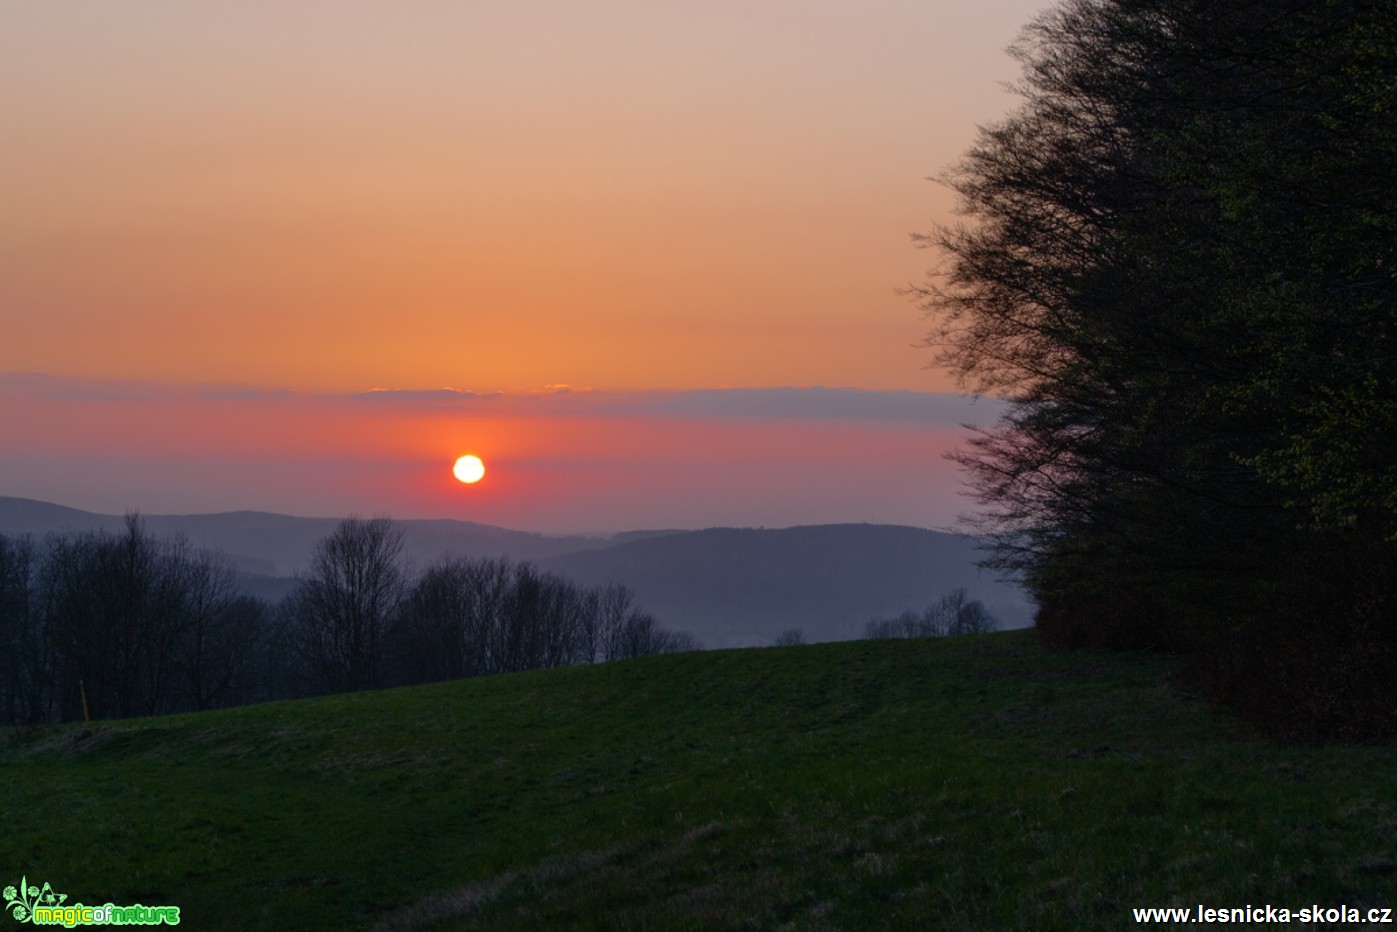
(743, 586)
(730, 587)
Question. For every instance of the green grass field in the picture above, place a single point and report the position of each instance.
(956, 784)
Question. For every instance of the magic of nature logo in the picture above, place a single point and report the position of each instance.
(44, 906)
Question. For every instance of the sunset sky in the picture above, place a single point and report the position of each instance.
(299, 256)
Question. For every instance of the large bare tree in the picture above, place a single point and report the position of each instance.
(342, 608)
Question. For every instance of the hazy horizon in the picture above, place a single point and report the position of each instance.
(557, 463)
(604, 533)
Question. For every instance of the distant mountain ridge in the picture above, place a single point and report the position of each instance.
(730, 587)
(281, 545)
(826, 579)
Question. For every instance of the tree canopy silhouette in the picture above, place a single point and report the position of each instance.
(1178, 260)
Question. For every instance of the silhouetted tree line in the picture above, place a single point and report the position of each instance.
(1180, 264)
(954, 614)
(132, 624)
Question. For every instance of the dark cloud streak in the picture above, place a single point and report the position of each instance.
(758, 404)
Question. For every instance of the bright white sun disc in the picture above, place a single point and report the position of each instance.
(469, 469)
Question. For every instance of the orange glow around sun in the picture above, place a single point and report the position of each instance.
(469, 469)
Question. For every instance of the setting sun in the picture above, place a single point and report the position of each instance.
(469, 469)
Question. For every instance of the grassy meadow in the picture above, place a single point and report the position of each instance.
(971, 783)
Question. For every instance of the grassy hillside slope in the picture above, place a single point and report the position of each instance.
(969, 783)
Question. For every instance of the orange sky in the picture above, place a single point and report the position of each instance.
(626, 196)
(483, 195)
